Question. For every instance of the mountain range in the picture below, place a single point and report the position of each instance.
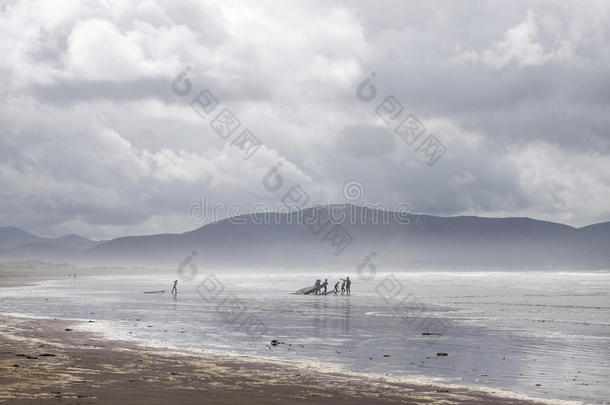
(339, 235)
(18, 244)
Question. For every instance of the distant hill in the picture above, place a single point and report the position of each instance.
(293, 240)
(20, 245)
(73, 241)
(11, 237)
(283, 240)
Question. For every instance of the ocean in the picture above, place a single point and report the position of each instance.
(541, 334)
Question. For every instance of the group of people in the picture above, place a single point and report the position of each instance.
(346, 285)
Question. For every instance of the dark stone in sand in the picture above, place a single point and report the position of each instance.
(31, 357)
(538, 385)
(16, 365)
(441, 354)
(20, 355)
(48, 355)
(386, 355)
(431, 334)
(68, 330)
(442, 390)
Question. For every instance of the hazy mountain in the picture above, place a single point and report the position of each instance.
(18, 244)
(597, 229)
(42, 251)
(283, 240)
(73, 241)
(292, 240)
(11, 237)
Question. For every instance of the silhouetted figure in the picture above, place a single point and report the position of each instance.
(343, 287)
(175, 288)
(347, 283)
(337, 287)
(317, 287)
(325, 285)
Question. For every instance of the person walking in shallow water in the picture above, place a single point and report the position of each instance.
(175, 288)
(348, 284)
(343, 286)
(325, 285)
(317, 287)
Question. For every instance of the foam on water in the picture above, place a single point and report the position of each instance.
(503, 331)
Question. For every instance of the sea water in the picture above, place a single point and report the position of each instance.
(543, 334)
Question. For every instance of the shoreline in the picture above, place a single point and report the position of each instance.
(44, 359)
(48, 359)
(334, 369)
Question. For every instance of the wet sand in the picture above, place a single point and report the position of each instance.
(43, 360)
(50, 361)
(15, 274)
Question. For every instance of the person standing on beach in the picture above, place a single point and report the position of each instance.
(325, 285)
(175, 288)
(347, 283)
(343, 286)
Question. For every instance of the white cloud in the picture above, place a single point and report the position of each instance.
(520, 45)
(564, 186)
(92, 140)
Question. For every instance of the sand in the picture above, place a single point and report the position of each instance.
(50, 361)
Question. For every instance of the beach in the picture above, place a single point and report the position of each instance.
(43, 360)
(93, 340)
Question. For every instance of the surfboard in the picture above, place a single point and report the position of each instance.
(154, 292)
(311, 290)
(303, 290)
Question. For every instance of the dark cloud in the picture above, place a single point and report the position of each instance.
(93, 141)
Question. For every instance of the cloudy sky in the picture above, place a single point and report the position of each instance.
(93, 139)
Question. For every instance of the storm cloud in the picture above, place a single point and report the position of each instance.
(94, 141)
